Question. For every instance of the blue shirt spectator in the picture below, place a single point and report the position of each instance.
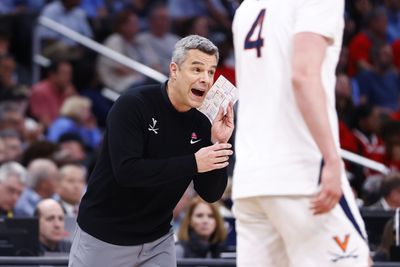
(73, 18)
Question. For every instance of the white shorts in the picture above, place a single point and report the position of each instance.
(281, 231)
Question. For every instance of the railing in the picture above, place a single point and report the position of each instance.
(89, 43)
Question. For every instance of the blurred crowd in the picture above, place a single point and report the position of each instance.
(51, 129)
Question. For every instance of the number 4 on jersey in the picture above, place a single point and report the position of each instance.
(258, 43)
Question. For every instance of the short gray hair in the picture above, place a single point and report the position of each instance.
(193, 42)
(12, 169)
(41, 169)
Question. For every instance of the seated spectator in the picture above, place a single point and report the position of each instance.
(383, 252)
(380, 86)
(76, 117)
(124, 41)
(360, 46)
(12, 183)
(13, 144)
(12, 80)
(41, 183)
(2, 151)
(393, 15)
(159, 39)
(214, 10)
(391, 137)
(390, 193)
(396, 53)
(51, 227)
(49, 94)
(39, 149)
(202, 232)
(70, 188)
(366, 129)
(72, 150)
(69, 14)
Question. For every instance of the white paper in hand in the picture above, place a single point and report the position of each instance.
(221, 93)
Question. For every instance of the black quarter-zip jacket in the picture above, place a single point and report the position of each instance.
(146, 163)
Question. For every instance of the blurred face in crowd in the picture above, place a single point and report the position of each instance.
(71, 185)
(10, 191)
(203, 221)
(63, 76)
(160, 21)
(131, 27)
(191, 80)
(2, 151)
(51, 222)
(69, 4)
(7, 68)
(394, 198)
(385, 57)
(13, 148)
(200, 27)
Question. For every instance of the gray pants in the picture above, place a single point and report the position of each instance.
(88, 251)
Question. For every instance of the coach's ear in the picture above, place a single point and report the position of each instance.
(173, 68)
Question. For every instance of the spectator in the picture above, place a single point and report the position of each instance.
(70, 189)
(39, 149)
(12, 80)
(159, 39)
(72, 150)
(396, 53)
(4, 43)
(13, 144)
(12, 183)
(360, 46)
(388, 243)
(48, 95)
(67, 13)
(182, 10)
(51, 227)
(393, 15)
(42, 178)
(76, 117)
(202, 232)
(391, 138)
(380, 86)
(2, 151)
(390, 193)
(124, 40)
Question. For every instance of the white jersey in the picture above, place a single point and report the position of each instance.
(275, 152)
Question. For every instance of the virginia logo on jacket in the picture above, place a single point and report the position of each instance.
(343, 244)
(194, 139)
(152, 127)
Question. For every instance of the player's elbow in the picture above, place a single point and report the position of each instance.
(302, 77)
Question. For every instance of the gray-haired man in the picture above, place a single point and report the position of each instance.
(156, 142)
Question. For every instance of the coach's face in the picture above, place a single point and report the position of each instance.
(191, 80)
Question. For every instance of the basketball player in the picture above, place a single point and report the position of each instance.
(292, 201)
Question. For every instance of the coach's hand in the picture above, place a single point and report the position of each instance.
(223, 125)
(213, 157)
(331, 190)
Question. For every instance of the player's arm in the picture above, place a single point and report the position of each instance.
(308, 54)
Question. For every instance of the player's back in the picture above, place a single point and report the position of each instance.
(271, 133)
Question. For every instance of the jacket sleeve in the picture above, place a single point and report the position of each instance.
(126, 141)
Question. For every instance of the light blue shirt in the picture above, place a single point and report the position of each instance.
(75, 19)
(26, 203)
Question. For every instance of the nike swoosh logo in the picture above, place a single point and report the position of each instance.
(194, 141)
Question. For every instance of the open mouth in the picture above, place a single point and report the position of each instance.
(197, 92)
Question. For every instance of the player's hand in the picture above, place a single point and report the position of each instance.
(223, 125)
(331, 190)
(213, 157)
